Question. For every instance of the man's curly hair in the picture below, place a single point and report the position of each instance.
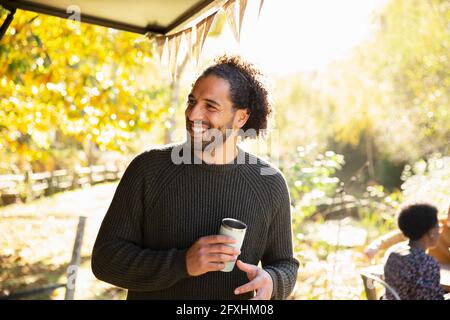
(247, 91)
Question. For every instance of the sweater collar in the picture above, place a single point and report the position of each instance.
(241, 158)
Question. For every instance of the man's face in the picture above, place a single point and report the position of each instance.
(210, 113)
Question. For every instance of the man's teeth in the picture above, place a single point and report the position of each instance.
(198, 130)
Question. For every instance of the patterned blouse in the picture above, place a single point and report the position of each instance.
(413, 274)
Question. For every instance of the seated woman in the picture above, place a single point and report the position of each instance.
(414, 274)
(441, 252)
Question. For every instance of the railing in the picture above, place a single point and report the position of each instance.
(31, 185)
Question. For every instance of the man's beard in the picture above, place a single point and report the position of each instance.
(215, 137)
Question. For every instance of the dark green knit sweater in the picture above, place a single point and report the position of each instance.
(161, 208)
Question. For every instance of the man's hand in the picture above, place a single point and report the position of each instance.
(210, 254)
(260, 280)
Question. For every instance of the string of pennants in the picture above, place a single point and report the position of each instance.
(195, 36)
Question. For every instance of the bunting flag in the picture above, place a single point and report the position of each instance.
(235, 21)
(261, 3)
(195, 36)
(188, 37)
(160, 45)
(199, 34)
(202, 30)
(230, 11)
(242, 7)
(173, 63)
(208, 24)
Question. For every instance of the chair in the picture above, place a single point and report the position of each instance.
(371, 293)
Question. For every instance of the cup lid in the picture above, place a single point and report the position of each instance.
(234, 224)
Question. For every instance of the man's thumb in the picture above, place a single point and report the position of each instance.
(243, 266)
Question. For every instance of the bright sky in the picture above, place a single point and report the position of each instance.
(298, 35)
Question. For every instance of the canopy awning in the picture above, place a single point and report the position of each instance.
(162, 17)
(167, 22)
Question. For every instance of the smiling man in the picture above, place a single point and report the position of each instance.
(159, 238)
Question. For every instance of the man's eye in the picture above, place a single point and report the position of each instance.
(190, 103)
(211, 108)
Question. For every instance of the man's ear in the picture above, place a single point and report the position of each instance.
(241, 118)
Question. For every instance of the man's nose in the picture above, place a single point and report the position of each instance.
(195, 113)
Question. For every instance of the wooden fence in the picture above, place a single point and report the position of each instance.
(31, 185)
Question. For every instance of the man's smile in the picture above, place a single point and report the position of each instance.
(198, 130)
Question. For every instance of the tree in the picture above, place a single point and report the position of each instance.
(65, 84)
(396, 87)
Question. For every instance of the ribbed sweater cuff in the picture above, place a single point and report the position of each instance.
(180, 264)
(274, 277)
